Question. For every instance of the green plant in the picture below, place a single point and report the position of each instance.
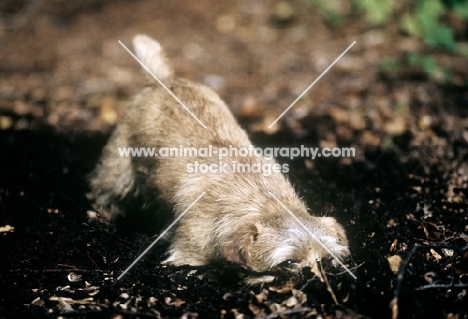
(425, 23)
(376, 11)
(390, 65)
(330, 10)
(423, 19)
(425, 64)
(460, 7)
(430, 67)
(432, 21)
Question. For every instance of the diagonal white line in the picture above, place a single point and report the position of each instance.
(160, 236)
(313, 235)
(310, 86)
(162, 84)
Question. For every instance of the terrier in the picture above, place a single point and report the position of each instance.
(241, 218)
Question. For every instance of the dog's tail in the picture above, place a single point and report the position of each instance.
(150, 52)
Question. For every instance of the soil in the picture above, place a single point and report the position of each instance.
(402, 199)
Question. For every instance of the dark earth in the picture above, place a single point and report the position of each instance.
(402, 199)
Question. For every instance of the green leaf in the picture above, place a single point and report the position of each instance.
(410, 25)
(461, 9)
(429, 65)
(377, 11)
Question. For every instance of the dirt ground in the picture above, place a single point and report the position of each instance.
(64, 79)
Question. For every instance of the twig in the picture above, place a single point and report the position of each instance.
(351, 268)
(308, 282)
(59, 270)
(437, 286)
(324, 275)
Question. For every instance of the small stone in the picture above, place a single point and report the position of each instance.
(394, 263)
(124, 295)
(447, 252)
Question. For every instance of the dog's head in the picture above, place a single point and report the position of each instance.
(282, 242)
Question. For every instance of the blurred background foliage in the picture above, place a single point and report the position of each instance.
(442, 25)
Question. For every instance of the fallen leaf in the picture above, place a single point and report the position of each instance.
(435, 254)
(431, 231)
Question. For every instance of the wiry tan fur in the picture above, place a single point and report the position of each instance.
(236, 220)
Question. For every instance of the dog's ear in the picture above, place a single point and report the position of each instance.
(333, 227)
(238, 244)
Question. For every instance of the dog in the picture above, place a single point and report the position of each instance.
(241, 218)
